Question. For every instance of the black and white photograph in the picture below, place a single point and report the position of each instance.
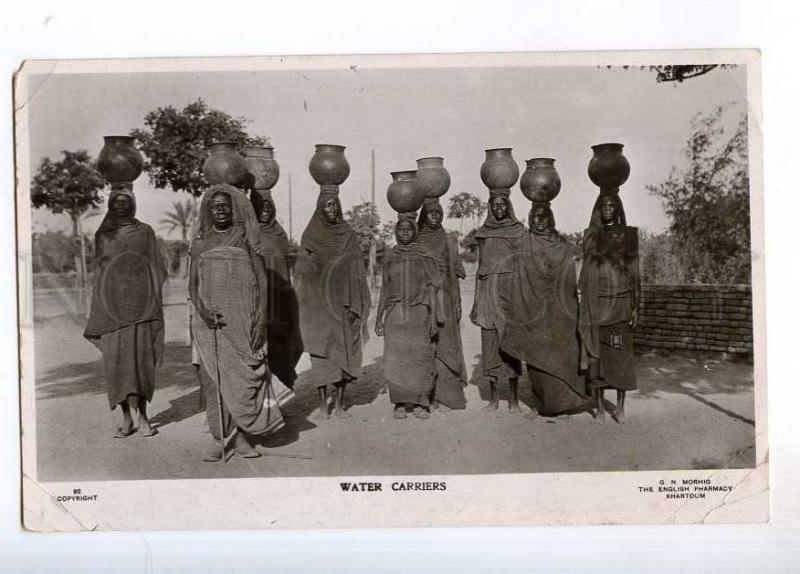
(392, 275)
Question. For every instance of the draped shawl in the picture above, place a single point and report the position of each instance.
(244, 218)
(129, 275)
(445, 252)
(609, 280)
(496, 249)
(541, 323)
(332, 290)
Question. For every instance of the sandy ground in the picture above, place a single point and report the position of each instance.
(689, 413)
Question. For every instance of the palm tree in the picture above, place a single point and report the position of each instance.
(181, 218)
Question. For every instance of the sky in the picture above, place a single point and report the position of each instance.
(402, 114)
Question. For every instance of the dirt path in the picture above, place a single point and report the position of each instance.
(688, 413)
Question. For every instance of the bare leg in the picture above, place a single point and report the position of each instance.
(126, 428)
(601, 409)
(321, 413)
(338, 408)
(513, 403)
(621, 407)
(494, 397)
(145, 429)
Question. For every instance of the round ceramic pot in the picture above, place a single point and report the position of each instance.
(432, 176)
(262, 166)
(225, 165)
(405, 192)
(540, 182)
(499, 170)
(328, 166)
(608, 168)
(119, 161)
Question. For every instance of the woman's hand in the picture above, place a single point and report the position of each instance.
(473, 317)
(379, 328)
(212, 319)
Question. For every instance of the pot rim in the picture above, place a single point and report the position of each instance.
(410, 173)
(612, 145)
(337, 147)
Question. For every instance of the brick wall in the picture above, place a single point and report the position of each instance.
(696, 317)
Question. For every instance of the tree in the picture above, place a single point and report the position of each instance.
(70, 186)
(181, 218)
(707, 201)
(175, 143)
(465, 205)
(365, 221)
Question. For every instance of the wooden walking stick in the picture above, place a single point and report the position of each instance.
(219, 391)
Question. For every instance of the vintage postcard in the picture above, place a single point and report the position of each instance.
(501, 289)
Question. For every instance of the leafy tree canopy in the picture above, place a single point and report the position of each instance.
(71, 185)
(175, 143)
(708, 201)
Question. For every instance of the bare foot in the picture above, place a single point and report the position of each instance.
(514, 408)
(339, 412)
(620, 417)
(320, 415)
(212, 453)
(399, 412)
(145, 429)
(421, 413)
(125, 429)
(441, 407)
(600, 417)
(531, 415)
(244, 448)
(491, 407)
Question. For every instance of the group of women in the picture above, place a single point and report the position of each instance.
(567, 315)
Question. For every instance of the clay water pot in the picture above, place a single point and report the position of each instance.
(119, 161)
(432, 176)
(499, 170)
(608, 168)
(540, 182)
(405, 193)
(225, 165)
(328, 166)
(261, 165)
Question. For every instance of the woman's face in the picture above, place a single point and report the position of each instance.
(608, 211)
(122, 207)
(221, 211)
(405, 232)
(267, 212)
(433, 218)
(499, 207)
(540, 220)
(331, 210)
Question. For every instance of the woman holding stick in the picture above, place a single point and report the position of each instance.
(228, 288)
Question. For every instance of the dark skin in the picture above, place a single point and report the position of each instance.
(433, 220)
(332, 212)
(121, 208)
(609, 217)
(500, 210)
(267, 214)
(221, 211)
(405, 233)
